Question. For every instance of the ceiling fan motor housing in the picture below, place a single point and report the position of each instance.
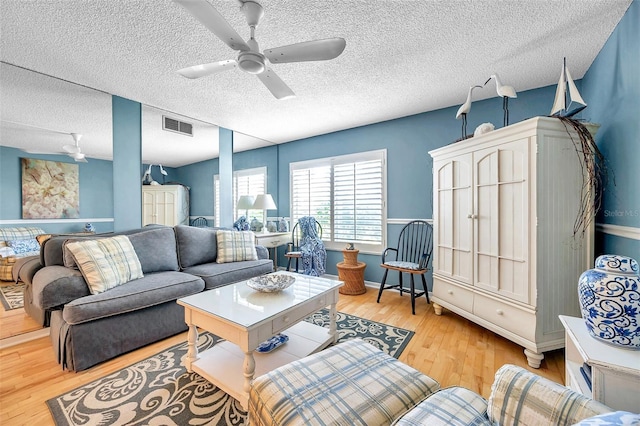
(251, 62)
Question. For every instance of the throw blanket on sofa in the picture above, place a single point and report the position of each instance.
(314, 255)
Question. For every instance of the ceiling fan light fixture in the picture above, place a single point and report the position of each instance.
(251, 62)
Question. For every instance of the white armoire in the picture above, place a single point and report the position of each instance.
(505, 254)
(165, 205)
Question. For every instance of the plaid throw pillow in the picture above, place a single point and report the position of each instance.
(106, 263)
(236, 246)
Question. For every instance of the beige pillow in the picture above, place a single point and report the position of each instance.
(106, 263)
(236, 246)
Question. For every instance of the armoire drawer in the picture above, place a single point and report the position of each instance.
(505, 316)
(453, 294)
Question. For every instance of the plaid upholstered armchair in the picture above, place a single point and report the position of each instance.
(17, 243)
(354, 383)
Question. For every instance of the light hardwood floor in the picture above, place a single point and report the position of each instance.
(448, 348)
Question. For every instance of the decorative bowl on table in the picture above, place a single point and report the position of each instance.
(271, 283)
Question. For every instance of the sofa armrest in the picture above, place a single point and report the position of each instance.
(55, 286)
(263, 252)
(519, 396)
(25, 268)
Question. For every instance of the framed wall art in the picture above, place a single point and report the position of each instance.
(50, 189)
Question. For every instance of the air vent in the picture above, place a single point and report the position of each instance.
(173, 125)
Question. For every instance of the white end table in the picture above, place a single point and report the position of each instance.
(615, 372)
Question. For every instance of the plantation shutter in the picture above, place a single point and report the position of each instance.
(358, 202)
(346, 195)
(311, 196)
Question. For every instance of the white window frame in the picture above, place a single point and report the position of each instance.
(237, 193)
(328, 237)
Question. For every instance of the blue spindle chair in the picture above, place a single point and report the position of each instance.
(412, 256)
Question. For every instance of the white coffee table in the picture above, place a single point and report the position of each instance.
(245, 318)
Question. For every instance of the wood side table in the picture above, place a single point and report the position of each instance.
(352, 273)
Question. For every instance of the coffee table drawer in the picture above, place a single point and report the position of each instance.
(300, 312)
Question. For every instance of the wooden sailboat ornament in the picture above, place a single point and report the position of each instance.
(563, 106)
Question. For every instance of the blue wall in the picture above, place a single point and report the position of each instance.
(409, 166)
(127, 157)
(96, 192)
(611, 87)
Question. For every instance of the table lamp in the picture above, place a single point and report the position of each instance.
(245, 202)
(264, 202)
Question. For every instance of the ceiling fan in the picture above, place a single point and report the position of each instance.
(74, 151)
(249, 58)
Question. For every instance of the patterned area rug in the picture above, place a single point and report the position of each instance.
(11, 296)
(159, 390)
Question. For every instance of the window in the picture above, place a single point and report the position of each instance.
(346, 194)
(245, 182)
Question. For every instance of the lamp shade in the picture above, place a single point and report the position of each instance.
(264, 202)
(245, 202)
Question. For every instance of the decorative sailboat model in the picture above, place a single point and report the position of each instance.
(563, 106)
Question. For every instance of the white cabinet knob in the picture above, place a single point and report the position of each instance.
(286, 319)
(450, 291)
(499, 312)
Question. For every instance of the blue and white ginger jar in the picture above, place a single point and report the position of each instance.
(610, 300)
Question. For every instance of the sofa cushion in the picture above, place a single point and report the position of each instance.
(219, 274)
(195, 245)
(52, 249)
(521, 397)
(455, 406)
(156, 249)
(236, 246)
(153, 289)
(352, 383)
(106, 263)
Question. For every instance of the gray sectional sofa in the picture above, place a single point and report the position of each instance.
(87, 329)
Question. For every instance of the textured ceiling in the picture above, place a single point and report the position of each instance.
(402, 57)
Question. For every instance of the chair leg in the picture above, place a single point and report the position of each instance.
(426, 289)
(384, 280)
(289, 265)
(413, 296)
(297, 260)
(401, 288)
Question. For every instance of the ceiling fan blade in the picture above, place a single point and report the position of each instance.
(78, 157)
(204, 12)
(71, 149)
(276, 86)
(198, 71)
(315, 50)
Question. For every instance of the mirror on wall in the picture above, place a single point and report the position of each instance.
(38, 115)
(174, 140)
